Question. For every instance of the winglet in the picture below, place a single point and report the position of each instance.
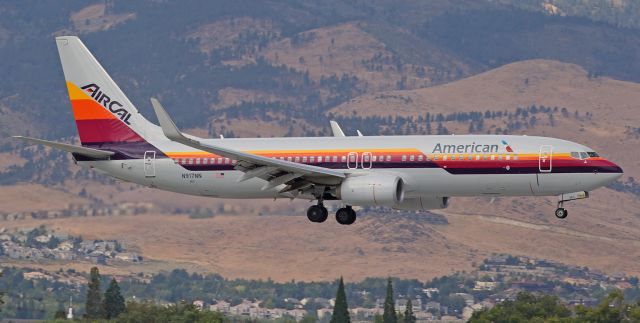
(169, 127)
(337, 131)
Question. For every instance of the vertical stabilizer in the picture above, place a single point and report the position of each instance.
(104, 115)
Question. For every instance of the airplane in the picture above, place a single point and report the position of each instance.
(398, 172)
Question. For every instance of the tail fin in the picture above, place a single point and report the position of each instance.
(105, 117)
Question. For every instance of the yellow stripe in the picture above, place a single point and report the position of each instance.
(75, 93)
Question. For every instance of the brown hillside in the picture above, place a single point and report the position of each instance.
(540, 82)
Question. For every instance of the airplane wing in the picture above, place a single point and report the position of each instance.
(89, 152)
(275, 171)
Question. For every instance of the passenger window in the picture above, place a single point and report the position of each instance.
(319, 159)
(375, 158)
(435, 157)
(335, 159)
(412, 158)
(453, 157)
(515, 157)
(289, 158)
(226, 161)
(366, 158)
(477, 157)
(312, 159)
(388, 158)
(343, 159)
(404, 158)
(470, 157)
(429, 157)
(493, 157)
(304, 159)
(499, 157)
(484, 156)
(297, 159)
(190, 161)
(444, 157)
(419, 157)
(508, 157)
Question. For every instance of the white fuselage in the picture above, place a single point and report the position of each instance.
(467, 165)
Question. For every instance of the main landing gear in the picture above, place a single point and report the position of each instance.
(318, 214)
(346, 215)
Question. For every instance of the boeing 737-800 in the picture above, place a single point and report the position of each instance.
(400, 172)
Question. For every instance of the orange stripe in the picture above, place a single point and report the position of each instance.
(88, 109)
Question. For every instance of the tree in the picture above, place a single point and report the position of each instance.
(389, 315)
(1, 294)
(408, 313)
(93, 304)
(341, 309)
(113, 300)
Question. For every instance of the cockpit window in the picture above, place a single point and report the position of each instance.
(593, 154)
(575, 154)
(583, 155)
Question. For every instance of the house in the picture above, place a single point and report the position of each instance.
(127, 256)
(324, 312)
(198, 304)
(480, 285)
(220, 306)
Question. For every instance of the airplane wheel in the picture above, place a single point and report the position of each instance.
(317, 213)
(346, 216)
(561, 213)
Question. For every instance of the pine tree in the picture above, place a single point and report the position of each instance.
(389, 315)
(408, 313)
(341, 309)
(93, 305)
(113, 300)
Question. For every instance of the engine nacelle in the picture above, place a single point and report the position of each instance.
(423, 203)
(372, 190)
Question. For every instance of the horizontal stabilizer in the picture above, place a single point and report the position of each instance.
(84, 151)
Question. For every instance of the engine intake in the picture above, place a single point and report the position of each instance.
(372, 190)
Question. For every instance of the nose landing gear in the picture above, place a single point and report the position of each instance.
(561, 212)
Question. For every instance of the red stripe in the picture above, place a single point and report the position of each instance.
(105, 130)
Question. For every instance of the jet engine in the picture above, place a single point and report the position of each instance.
(423, 203)
(372, 190)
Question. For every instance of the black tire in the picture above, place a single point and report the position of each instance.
(343, 216)
(561, 213)
(325, 215)
(352, 216)
(317, 213)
